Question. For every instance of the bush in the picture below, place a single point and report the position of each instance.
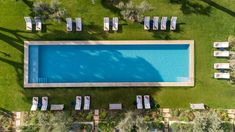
(106, 127)
(156, 124)
(207, 121)
(89, 116)
(103, 114)
(227, 127)
(5, 120)
(181, 127)
(49, 11)
(133, 12)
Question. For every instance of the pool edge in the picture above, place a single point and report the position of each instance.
(189, 83)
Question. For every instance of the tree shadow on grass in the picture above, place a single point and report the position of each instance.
(193, 7)
(18, 68)
(222, 8)
(29, 3)
(16, 42)
(90, 32)
(110, 4)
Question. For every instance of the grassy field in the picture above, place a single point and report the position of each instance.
(204, 21)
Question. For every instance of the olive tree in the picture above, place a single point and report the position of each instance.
(207, 121)
(46, 11)
(132, 12)
(132, 122)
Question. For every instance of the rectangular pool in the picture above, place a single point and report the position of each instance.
(108, 63)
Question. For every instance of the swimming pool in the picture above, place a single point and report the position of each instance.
(108, 63)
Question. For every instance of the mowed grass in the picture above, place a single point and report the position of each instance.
(202, 21)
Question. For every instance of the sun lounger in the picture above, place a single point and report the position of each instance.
(147, 102)
(28, 23)
(147, 23)
(222, 75)
(69, 24)
(44, 103)
(86, 102)
(57, 107)
(115, 24)
(200, 106)
(139, 102)
(78, 24)
(221, 44)
(106, 24)
(221, 66)
(34, 104)
(163, 23)
(78, 103)
(173, 23)
(38, 23)
(221, 53)
(155, 23)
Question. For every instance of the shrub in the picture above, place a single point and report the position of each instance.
(181, 127)
(132, 122)
(133, 12)
(106, 127)
(103, 114)
(227, 127)
(207, 121)
(49, 11)
(89, 116)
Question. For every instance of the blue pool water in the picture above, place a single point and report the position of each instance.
(108, 63)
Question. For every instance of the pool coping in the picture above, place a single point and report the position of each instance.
(110, 84)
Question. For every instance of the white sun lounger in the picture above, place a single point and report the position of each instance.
(34, 104)
(78, 24)
(38, 23)
(78, 103)
(139, 102)
(221, 44)
(222, 75)
(155, 23)
(86, 102)
(221, 66)
(221, 53)
(199, 106)
(173, 23)
(106, 24)
(69, 24)
(147, 23)
(147, 102)
(28, 23)
(44, 103)
(163, 23)
(115, 24)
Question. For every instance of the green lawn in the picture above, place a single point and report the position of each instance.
(203, 21)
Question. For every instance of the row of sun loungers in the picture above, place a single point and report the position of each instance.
(221, 66)
(69, 24)
(163, 23)
(139, 102)
(35, 104)
(107, 24)
(79, 103)
(221, 45)
(29, 23)
(35, 101)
